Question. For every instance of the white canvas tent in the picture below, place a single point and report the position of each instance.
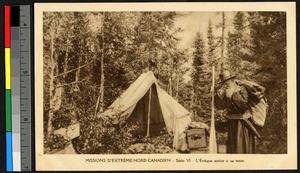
(154, 112)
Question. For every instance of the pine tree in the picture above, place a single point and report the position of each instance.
(199, 79)
(239, 48)
(235, 41)
(211, 45)
(223, 36)
(268, 35)
(220, 45)
(155, 40)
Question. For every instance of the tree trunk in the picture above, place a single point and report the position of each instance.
(177, 85)
(194, 104)
(102, 84)
(100, 102)
(170, 86)
(78, 71)
(171, 72)
(222, 38)
(51, 88)
(79, 61)
(222, 43)
(66, 61)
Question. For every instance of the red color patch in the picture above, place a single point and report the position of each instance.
(7, 26)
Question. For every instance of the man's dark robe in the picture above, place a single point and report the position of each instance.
(241, 130)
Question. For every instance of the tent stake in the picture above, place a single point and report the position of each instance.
(149, 105)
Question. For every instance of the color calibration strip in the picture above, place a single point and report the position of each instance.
(8, 111)
(17, 87)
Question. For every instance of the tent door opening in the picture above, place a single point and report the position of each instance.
(147, 114)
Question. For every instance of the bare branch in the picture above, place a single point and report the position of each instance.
(73, 70)
(82, 66)
(66, 84)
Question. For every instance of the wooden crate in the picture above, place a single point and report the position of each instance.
(197, 138)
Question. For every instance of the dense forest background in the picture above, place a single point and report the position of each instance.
(90, 58)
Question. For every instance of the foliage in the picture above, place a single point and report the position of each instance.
(164, 139)
(268, 32)
(201, 97)
(211, 55)
(75, 43)
(239, 48)
(148, 148)
(256, 51)
(125, 41)
(104, 138)
(61, 120)
(56, 142)
(152, 145)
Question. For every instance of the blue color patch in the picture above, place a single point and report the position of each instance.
(9, 159)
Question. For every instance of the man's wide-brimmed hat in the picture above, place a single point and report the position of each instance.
(225, 75)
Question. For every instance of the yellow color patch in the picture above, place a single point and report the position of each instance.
(7, 69)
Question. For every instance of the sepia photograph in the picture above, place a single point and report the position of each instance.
(142, 83)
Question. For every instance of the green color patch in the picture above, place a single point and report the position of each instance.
(8, 115)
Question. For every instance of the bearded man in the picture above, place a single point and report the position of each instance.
(246, 107)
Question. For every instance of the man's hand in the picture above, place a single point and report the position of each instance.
(217, 89)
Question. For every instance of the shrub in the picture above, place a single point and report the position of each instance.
(147, 148)
(55, 142)
(61, 119)
(99, 137)
(152, 145)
